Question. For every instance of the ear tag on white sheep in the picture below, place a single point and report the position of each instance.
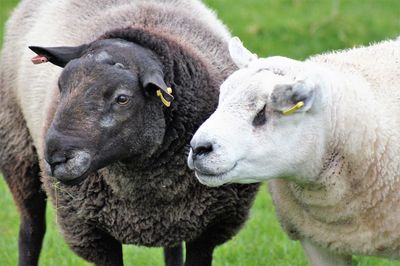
(294, 108)
(168, 92)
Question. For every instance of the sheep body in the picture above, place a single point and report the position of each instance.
(156, 202)
(357, 211)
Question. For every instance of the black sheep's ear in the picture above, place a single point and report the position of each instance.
(59, 56)
(153, 82)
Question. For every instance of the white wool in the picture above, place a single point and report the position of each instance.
(334, 167)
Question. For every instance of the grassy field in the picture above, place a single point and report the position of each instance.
(295, 28)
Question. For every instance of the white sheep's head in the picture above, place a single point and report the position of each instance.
(249, 138)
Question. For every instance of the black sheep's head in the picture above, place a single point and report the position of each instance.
(108, 108)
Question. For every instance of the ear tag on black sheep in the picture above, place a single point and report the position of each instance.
(39, 59)
(168, 96)
(293, 109)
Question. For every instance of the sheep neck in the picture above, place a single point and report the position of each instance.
(360, 161)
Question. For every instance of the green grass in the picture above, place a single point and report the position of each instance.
(295, 28)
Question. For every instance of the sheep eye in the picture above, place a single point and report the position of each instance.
(260, 118)
(122, 99)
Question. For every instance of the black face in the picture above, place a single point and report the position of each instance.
(106, 112)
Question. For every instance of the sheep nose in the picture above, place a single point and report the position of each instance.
(65, 161)
(54, 150)
(55, 158)
(54, 155)
(202, 149)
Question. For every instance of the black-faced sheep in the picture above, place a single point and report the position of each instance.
(107, 131)
(326, 132)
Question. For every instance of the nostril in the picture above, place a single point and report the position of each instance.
(202, 149)
(57, 158)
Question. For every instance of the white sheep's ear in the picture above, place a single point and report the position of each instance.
(240, 55)
(293, 98)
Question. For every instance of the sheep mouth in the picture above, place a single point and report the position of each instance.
(214, 179)
(70, 181)
(77, 180)
(72, 170)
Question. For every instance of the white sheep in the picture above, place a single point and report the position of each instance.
(325, 132)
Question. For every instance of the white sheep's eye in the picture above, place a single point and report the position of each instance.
(260, 118)
(122, 99)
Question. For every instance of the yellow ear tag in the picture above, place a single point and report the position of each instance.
(293, 109)
(164, 101)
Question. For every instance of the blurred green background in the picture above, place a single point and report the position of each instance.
(294, 28)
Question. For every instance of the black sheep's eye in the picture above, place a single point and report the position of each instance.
(260, 118)
(122, 99)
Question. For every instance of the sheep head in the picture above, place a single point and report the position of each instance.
(108, 107)
(269, 124)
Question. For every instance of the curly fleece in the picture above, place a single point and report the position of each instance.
(154, 202)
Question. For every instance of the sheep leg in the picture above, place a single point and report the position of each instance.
(108, 252)
(199, 253)
(173, 256)
(317, 256)
(19, 166)
(23, 180)
(32, 229)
